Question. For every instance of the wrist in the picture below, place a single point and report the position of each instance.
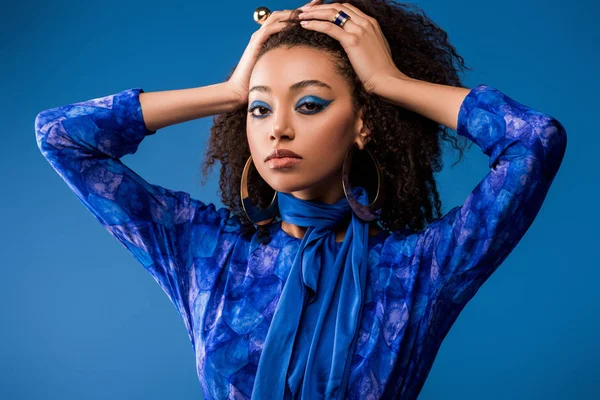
(238, 97)
(392, 87)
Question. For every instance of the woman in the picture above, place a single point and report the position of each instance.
(330, 272)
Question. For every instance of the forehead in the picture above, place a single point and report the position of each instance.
(281, 67)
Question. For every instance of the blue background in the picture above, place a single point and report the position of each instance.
(81, 319)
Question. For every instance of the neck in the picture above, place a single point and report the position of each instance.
(328, 191)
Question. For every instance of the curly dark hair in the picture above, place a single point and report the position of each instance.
(407, 144)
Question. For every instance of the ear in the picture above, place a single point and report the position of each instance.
(364, 133)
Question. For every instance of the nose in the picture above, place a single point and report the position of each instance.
(281, 128)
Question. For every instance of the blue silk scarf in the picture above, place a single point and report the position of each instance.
(320, 306)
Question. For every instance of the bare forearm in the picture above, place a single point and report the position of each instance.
(439, 103)
(170, 107)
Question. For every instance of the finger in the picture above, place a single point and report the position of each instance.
(325, 16)
(311, 3)
(357, 12)
(327, 12)
(372, 20)
(340, 34)
(308, 5)
(270, 29)
(278, 16)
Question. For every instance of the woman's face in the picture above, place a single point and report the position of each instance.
(314, 120)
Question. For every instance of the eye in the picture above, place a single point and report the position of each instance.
(314, 104)
(313, 107)
(251, 109)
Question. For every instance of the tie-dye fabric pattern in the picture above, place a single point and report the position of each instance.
(226, 286)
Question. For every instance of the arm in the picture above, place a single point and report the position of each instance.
(463, 248)
(171, 107)
(526, 147)
(457, 253)
(439, 103)
(84, 141)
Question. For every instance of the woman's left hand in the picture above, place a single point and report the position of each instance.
(361, 38)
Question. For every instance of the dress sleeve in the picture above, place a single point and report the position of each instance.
(526, 147)
(83, 142)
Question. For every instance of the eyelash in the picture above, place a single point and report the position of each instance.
(313, 103)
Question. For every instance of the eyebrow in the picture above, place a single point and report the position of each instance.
(294, 87)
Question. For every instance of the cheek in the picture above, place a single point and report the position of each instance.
(326, 155)
(252, 142)
(255, 151)
(336, 132)
(332, 143)
(340, 141)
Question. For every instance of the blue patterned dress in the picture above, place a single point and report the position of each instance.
(226, 286)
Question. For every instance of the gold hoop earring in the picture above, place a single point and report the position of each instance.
(369, 212)
(256, 215)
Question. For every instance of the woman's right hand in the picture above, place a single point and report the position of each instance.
(239, 81)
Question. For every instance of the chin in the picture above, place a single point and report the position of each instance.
(286, 187)
(285, 182)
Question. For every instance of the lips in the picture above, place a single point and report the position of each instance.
(281, 153)
(283, 162)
